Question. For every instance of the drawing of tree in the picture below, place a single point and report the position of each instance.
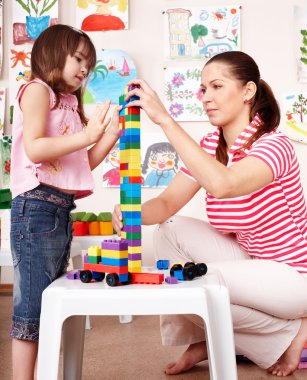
(99, 70)
(300, 107)
(199, 31)
(303, 48)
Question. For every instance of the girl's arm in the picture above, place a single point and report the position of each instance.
(35, 107)
(101, 149)
(244, 177)
(157, 210)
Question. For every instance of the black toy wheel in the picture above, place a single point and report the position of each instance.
(86, 276)
(189, 263)
(201, 269)
(98, 276)
(189, 272)
(174, 268)
(112, 279)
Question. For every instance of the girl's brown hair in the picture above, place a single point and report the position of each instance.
(243, 68)
(48, 58)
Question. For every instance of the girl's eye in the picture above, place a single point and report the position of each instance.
(78, 59)
(203, 90)
(217, 86)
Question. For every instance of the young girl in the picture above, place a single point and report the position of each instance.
(50, 167)
(257, 236)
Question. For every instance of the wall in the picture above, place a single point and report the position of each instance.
(267, 35)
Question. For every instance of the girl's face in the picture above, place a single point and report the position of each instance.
(223, 97)
(162, 161)
(76, 68)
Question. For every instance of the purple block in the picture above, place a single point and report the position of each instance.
(134, 243)
(122, 132)
(73, 275)
(115, 245)
(85, 258)
(134, 256)
(171, 280)
(132, 229)
(302, 365)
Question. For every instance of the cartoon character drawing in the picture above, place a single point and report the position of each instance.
(24, 75)
(113, 175)
(103, 19)
(163, 160)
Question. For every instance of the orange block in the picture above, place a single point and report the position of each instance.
(106, 228)
(94, 228)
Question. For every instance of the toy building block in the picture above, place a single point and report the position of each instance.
(77, 216)
(80, 228)
(89, 217)
(189, 271)
(94, 227)
(147, 278)
(73, 275)
(162, 264)
(171, 280)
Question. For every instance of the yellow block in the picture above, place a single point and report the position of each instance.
(106, 228)
(135, 266)
(114, 254)
(135, 249)
(132, 207)
(94, 250)
(130, 173)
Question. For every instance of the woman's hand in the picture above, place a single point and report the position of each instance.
(149, 101)
(117, 219)
(113, 128)
(97, 123)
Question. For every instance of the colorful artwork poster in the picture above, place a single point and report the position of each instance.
(300, 33)
(1, 34)
(201, 32)
(2, 109)
(114, 69)
(183, 94)
(160, 162)
(30, 18)
(19, 71)
(5, 159)
(102, 15)
(295, 116)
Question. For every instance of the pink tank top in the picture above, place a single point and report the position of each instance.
(70, 172)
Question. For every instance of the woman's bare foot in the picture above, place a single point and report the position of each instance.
(196, 353)
(290, 359)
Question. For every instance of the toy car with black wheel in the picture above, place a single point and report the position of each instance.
(189, 271)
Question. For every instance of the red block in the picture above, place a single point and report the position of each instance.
(147, 278)
(80, 228)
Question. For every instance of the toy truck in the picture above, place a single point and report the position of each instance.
(189, 271)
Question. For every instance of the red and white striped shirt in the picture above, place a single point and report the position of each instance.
(270, 223)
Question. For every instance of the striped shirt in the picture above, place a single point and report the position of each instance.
(270, 223)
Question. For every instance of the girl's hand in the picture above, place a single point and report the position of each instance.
(113, 128)
(97, 123)
(117, 219)
(149, 101)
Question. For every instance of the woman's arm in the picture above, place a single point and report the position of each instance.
(38, 147)
(179, 192)
(244, 177)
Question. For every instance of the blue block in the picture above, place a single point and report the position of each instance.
(114, 262)
(129, 138)
(131, 214)
(123, 277)
(132, 222)
(179, 275)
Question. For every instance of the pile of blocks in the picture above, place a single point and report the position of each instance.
(88, 223)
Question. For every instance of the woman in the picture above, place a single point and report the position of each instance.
(257, 237)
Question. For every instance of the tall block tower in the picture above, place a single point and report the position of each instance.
(130, 181)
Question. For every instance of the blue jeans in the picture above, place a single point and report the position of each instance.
(41, 234)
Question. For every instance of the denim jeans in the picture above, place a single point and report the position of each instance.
(41, 234)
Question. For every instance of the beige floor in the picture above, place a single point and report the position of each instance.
(115, 351)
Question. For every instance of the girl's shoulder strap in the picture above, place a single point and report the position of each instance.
(52, 97)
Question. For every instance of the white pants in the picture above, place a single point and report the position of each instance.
(268, 299)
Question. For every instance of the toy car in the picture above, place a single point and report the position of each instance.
(189, 271)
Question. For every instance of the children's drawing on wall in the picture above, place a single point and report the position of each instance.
(300, 31)
(201, 32)
(30, 18)
(5, 159)
(183, 94)
(102, 15)
(1, 34)
(295, 117)
(160, 165)
(114, 69)
(111, 168)
(2, 109)
(19, 71)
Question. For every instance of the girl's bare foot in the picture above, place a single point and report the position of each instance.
(196, 353)
(290, 359)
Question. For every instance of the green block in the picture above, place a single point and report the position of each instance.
(89, 217)
(5, 195)
(131, 201)
(133, 235)
(5, 205)
(105, 216)
(133, 145)
(94, 259)
(77, 216)
(132, 117)
(122, 98)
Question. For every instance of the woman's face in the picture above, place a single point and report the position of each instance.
(162, 161)
(223, 96)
